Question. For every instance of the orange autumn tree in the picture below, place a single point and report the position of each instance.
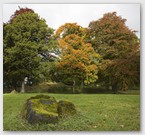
(78, 60)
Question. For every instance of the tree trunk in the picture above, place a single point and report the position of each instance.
(23, 87)
(74, 84)
(82, 85)
(115, 88)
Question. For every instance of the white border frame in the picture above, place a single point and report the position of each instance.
(142, 75)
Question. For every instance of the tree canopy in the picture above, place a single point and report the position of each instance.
(78, 62)
(119, 47)
(26, 39)
(107, 51)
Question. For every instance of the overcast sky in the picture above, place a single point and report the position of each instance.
(58, 14)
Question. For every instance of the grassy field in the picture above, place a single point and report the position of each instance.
(95, 112)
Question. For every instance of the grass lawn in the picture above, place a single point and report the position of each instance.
(95, 112)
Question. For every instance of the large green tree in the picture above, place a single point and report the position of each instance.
(26, 44)
(119, 48)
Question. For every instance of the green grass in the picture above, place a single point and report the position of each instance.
(95, 112)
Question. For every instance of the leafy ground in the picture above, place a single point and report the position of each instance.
(96, 112)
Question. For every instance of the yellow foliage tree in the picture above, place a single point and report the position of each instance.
(78, 60)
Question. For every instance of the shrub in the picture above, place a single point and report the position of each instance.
(60, 88)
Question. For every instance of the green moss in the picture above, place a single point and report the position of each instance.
(44, 105)
(47, 109)
(44, 112)
(66, 108)
(41, 96)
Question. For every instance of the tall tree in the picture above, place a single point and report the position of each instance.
(78, 60)
(26, 40)
(119, 48)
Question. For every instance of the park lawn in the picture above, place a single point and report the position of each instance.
(95, 112)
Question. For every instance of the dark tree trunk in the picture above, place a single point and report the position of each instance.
(82, 85)
(115, 88)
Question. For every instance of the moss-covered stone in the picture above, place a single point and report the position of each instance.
(40, 108)
(43, 108)
(66, 108)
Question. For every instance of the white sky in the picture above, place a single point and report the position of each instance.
(58, 14)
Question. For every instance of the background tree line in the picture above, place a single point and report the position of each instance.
(106, 53)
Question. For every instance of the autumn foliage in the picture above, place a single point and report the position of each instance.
(19, 12)
(106, 52)
(70, 28)
(78, 60)
(119, 48)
